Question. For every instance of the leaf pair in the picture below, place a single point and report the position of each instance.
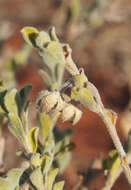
(16, 103)
(37, 180)
(51, 51)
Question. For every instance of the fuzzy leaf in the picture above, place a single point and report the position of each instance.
(50, 145)
(42, 39)
(46, 78)
(54, 60)
(56, 51)
(52, 34)
(36, 178)
(108, 163)
(112, 167)
(33, 135)
(29, 35)
(16, 128)
(45, 163)
(63, 161)
(51, 178)
(25, 118)
(59, 185)
(4, 184)
(24, 93)
(14, 176)
(35, 160)
(45, 125)
(10, 101)
(12, 179)
(2, 96)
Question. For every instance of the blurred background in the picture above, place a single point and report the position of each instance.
(99, 32)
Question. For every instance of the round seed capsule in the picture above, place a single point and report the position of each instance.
(71, 113)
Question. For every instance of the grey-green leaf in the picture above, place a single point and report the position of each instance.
(59, 185)
(56, 51)
(52, 34)
(4, 184)
(14, 176)
(53, 57)
(46, 78)
(45, 125)
(51, 178)
(29, 35)
(12, 179)
(45, 163)
(10, 101)
(42, 39)
(24, 93)
(16, 128)
(50, 145)
(33, 135)
(37, 179)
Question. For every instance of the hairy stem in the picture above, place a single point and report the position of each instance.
(112, 178)
(112, 131)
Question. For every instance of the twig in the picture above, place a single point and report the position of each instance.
(73, 70)
(112, 131)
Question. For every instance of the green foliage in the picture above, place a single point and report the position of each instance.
(45, 147)
(12, 180)
(51, 51)
(11, 102)
(24, 93)
(16, 128)
(14, 105)
(29, 34)
(33, 135)
(112, 164)
(44, 124)
(58, 186)
(36, 178)
(51, 178)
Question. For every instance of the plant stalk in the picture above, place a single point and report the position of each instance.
(111, 179)
(112, 131)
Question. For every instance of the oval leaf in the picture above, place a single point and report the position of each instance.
(37, 179)
(12, 179)
(44, 125)
(51, 178)
(24, 93)
(56, 50)
(33, 134)
(16, 128)
(29, 35)
(10, 101)
(42, 39)
(52, 34)
(46, 78)
(59, 185)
